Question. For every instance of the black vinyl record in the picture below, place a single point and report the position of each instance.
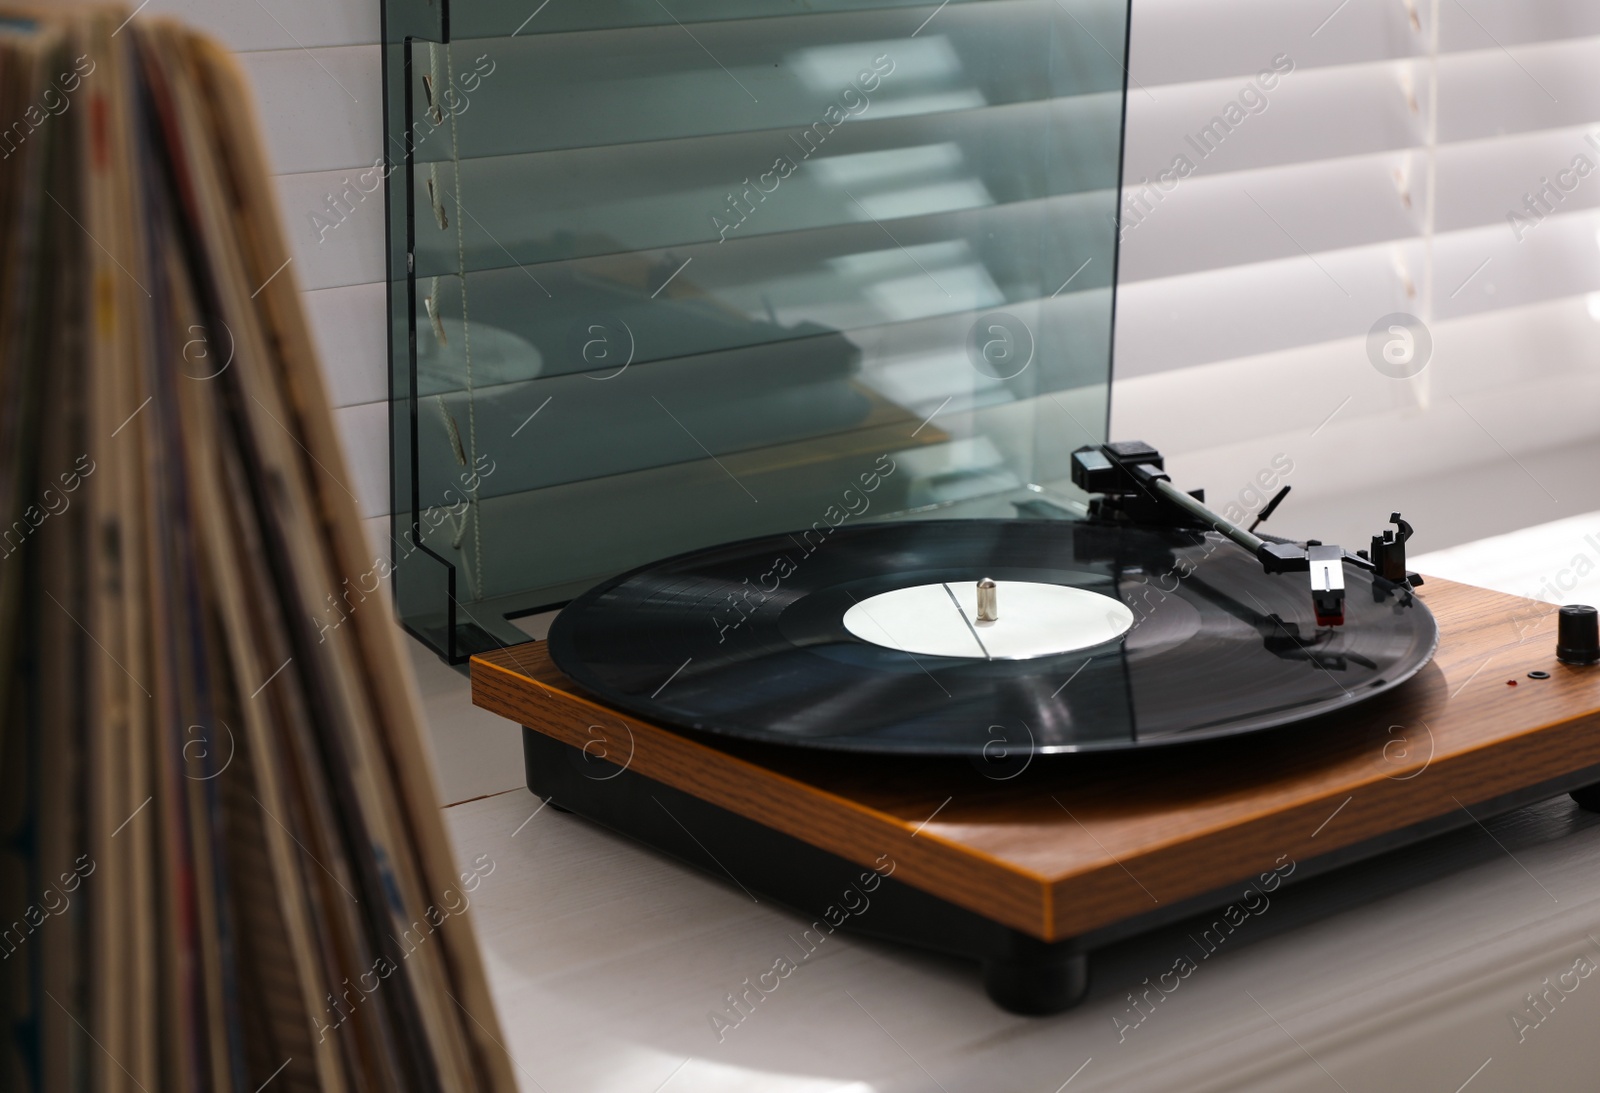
(748, 640)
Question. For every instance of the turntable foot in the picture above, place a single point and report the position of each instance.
(1037, 988)
(1587, 798)
(557, 808)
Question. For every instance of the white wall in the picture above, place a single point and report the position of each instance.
(318, 76)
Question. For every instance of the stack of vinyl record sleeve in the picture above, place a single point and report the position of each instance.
(222, 863)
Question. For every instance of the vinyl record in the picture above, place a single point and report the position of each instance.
(868, 639)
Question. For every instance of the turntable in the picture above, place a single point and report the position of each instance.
(779, 358)
(1017, 740)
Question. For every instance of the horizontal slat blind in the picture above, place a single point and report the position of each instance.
(1373, 169)
(1220, 310)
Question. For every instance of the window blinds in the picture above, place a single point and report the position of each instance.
(1296, 173)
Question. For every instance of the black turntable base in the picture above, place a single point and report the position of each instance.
(1027, 860)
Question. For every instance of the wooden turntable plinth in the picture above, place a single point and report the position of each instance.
(1030, 872)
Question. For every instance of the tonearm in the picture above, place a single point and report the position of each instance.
(1132, 486)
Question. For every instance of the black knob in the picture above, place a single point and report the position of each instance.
(1578, 635)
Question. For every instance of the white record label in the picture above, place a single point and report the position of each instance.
(1035, 620)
